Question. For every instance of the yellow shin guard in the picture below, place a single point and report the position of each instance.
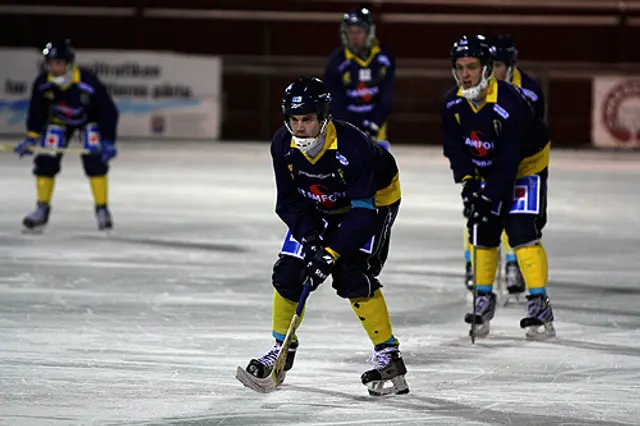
(283, 311)
(99, 188)
(44, 189)
(533, 265)
(487, 259)
(374, 316)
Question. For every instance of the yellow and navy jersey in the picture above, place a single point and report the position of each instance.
(499, 140)
(84, 99)
(351, 176)
(361, 89)
(531, 90)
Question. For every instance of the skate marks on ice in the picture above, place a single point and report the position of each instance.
(173, 244)
(339, 408)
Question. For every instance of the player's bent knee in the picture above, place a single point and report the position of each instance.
(287, 277)
(352, 282)
(93, 165)
(46, 165)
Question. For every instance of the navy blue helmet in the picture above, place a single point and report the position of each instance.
(59, 50)
(361, 17)
(307, 96)
(475, 46)
(504, 49)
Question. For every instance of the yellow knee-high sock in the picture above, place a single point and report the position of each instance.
(508, 250)
(44, 188)
(99, 188)
(487, 259)
(467, 246)
(283, 311)
(374, 316)
(534, 267)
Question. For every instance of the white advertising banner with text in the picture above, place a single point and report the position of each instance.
(158, 94)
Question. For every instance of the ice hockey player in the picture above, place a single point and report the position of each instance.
(339, 194)
(499, 151)
(505, 68)
(66, 98)
(361, 77)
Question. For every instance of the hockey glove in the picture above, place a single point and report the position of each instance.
(311, 244)
(23, 147)
(319, 266)
(107, 150)
(371, 129)
(481, 211)
(470, 193)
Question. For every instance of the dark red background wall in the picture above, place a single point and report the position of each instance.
(251, 98)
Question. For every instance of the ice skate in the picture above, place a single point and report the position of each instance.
(35, 221)
(539, 320)
(103, 217)
(484, 311)
(387, 376)
(263, 366)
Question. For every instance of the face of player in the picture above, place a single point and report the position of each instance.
(57, 67)
(469, 71)
(500, 70)
(357, 38)
(305, 126)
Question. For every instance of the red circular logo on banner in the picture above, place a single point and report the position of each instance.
(623, 123)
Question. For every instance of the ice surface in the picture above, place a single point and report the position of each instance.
(146, 327)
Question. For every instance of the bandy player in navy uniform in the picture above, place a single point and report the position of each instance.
(67, 98)
(361, 76)
(498, 149)
(339, 194)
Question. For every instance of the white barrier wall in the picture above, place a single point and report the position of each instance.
(158, 94)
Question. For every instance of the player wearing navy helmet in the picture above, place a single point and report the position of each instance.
(338, 194)
(498, 149)
(361, 77)
(66, 98)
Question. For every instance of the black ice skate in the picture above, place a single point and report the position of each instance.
(35, 221)
(484, 311)
(539, 320)
(103, 216)
(515, 282)
(262, 366)
(468, 276)
(387, 376)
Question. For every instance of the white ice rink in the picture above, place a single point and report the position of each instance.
(146, 327)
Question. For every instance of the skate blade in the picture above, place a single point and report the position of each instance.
(36, 230)
(396, 386)
(481, 331)
(540, 332)
(265, 385)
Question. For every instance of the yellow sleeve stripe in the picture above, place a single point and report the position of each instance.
(332, 252)
(33, 135)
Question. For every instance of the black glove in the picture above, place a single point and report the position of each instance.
(319, 267)
(481, 211)
(311, 244)
(371, 129)
(470, 192)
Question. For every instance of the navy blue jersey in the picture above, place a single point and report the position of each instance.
(361, 89)
(349, 178)
(531, 90)
(83, 100)
(500, 140)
